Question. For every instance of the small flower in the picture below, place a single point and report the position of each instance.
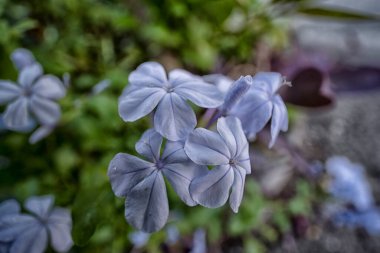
(368, 219)
(138, 238)
(228, 150)
(142, 182)
(199, 241)
(349, 183)
(22, 58)
(34, 95)
(100, 87)
(260, 104)
(30, 233)
(150, 88)
(237, 90)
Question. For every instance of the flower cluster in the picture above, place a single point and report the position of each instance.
(349, 185)
(32, 99)
(244, 109)
(30, 233)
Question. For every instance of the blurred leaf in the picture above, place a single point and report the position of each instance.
(336, 13)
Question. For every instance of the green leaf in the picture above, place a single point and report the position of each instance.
(336, 13)
(87, 214)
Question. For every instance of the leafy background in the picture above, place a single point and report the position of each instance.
(106, 39)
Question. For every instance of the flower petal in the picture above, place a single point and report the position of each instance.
(237, 188)
(49, 86)
(146, 207)
(138, 102)
(212, 190)
(32, 240)
(40, 206)
(59, 227)
(29, 74)
(46, 111)
(223, 83)
(12, 225)
(126, 171)
(207, 148)
(269, 82)
(200, 93)
(148, 74)
(180, 76)
(22, 58)
(174, 152)
(149, 145)
(180, 176)
(279, 119)
(16, 115)
(8, 92)
(233, 135)
(254, 111)
(40, 133)
(10, 206)
(238, 89)
(231, 130)
(174, 118)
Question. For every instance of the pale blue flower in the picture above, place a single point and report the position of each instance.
(199, 241)
(237, 90)
(8, 209)
(100, 86)
(228, 151)
(27, 233)
(138, 238)
(142, 182)
(262, 103)
(35, 95)
(22, 58)
(348, 182)
(150, 88)
(368, 219)
(172, 234)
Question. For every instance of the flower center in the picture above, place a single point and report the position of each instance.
(160, 164)
(168, 87)
(232, 162)
(27, 92)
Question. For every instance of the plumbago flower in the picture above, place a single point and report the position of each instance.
(142, 182)
(349, 185)
(150, 88)
(228, 151)
(258, 104)
(32, 98)
(29, 233)
(348, 182)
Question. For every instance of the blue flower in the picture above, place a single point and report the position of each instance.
(142, 182)
(30, 233)
(199, 241)
(262, 103)
(237, 90)
(22, 58)
(32, 99)
(100, 87)
(228, 151)
(150, 88)
(34, 95)
(138, 238)
(348, 182)
(368, 219)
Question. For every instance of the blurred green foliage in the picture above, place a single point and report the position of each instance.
(97, 39)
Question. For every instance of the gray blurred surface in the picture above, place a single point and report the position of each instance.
(350, 42)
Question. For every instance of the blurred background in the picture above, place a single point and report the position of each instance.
(329, 50)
